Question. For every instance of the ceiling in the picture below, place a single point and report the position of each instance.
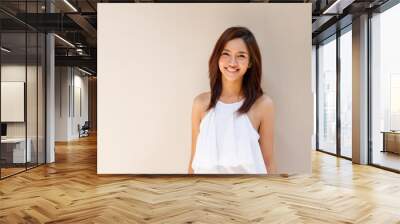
(76, 22)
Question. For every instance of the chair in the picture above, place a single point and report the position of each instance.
(84, 130)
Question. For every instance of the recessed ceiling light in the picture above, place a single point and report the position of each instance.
(64, 40)
(5, 50)
(84, 71)
(70, 5)
(338, 6)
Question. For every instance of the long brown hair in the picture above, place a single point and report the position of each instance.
(251, 83)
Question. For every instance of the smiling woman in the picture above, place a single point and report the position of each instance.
(232, 126)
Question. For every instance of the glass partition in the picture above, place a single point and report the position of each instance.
(327, 96)
(41, 85)
(22, 63)
(32, 95)
(33, 73)
(13, 95)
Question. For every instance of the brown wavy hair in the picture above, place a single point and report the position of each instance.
(251, 83)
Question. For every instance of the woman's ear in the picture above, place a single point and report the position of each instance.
(250, 64)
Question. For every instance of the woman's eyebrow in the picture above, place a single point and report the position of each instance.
(240, 52)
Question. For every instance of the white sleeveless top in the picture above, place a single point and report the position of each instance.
(227, 143)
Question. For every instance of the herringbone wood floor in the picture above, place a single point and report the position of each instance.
(69, 191)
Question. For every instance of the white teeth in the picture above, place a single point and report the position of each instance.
(232, 70)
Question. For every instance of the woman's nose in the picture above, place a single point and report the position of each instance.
(232, 61)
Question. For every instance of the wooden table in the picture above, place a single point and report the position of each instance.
(13, 150)
(391, 141)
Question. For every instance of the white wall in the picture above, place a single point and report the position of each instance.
(61, 103)
(67, 85)
(149, 73)
(80, 110)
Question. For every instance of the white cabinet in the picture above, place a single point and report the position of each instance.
(18, 149)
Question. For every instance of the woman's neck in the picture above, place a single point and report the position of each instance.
(232, 91)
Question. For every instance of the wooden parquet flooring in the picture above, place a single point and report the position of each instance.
(70, 191)
(10, 171)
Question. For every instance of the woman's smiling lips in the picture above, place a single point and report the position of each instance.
(231, 70)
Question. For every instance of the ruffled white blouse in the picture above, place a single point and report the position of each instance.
(227, 143)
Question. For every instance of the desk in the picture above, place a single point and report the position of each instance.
(15, 148)
(391, 141)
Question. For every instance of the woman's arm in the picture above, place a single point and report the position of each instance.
(267, 134)
(196, 118)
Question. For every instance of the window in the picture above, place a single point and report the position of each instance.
(385, 88)
(327, 96)
(346, 93)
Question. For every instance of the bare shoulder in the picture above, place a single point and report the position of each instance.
(202, 101)
(264, 104)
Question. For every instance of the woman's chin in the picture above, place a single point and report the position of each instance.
(231, 77)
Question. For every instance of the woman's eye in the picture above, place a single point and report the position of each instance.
(225, 53)
(242, 56)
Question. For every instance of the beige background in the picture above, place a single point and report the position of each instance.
(152, 62)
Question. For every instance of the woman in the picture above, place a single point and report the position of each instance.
(233, 125)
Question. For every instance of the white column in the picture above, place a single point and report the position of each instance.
(50, 93)
(360, 90)
(50, 110)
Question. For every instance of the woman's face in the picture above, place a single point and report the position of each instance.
(234, 60)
